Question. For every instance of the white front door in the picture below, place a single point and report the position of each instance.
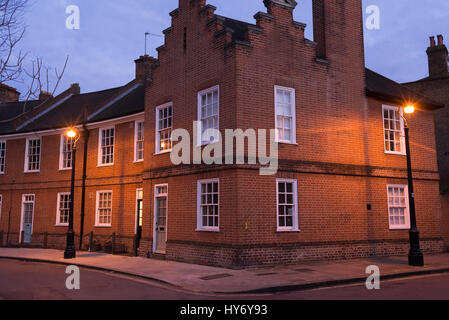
(27, 217)
(160, 218)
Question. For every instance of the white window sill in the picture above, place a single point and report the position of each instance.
(162, 152)
(395, 153)
(208, 230)
(288, 230)
(61, 225)
(138, 161)
(400, 228)
(287, 142)
(37, 171)
(102, 226)
(105, 165)
(65, 169)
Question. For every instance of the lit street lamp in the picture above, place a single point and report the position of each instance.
(70, 251)
(415, 257)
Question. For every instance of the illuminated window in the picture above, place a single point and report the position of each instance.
(285, 108)
(164, 127)
(287, 205)
(398, 207)
(393, 130)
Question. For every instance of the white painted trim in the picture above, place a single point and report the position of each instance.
(136, 127)
(199, 141)
(295, 227)
(135, 210)
(21, 213)
(199, 214)
(403, 148)
(6, 147)
(110, 103)
(23, 125)
(292, 91)
(92, 125)
(97, 224)
(157, 147)
(407, 224)
(25, 169)
(154, 214)
(58, 208)
(100, 149)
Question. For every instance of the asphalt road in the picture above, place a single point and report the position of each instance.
(36, 281)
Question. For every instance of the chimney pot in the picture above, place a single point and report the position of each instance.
(440, 40)
(432, 41)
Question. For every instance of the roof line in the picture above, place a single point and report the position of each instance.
(121, 96)
(44, 112)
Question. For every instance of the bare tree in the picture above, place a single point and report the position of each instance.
(38, 77)
(12, 30)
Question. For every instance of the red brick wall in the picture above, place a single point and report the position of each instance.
(123, 178)
(339, 162)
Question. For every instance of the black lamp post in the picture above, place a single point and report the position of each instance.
(70, 252)
(415, 257)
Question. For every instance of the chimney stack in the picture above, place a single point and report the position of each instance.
(8, 94)
(438, 58)
(144, 65)
(44, 95)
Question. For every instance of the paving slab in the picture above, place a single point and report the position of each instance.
(206, 279)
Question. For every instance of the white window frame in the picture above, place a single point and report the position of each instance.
(136, 141)
(402, 134)
(100, 148)
(58, 209)
(407, 224)
(199, 213)
(157, 135)
(3, 159)
(26, 155)
(61, 154)
(97, 216)
(295, 227)
(293, 111)
(200, 129)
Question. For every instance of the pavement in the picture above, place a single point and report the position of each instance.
(213, 280)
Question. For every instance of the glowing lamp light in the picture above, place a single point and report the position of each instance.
(409, 109)
(163, 145)
(71, 133)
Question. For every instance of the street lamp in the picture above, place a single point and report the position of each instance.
(70, 252)
(415, 257)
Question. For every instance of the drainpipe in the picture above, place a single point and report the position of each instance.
(83, 192)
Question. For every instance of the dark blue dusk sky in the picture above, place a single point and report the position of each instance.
(102, 52)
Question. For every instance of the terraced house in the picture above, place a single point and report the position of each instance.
(341, 188)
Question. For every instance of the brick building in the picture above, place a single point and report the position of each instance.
(341, 187)
(436, 85)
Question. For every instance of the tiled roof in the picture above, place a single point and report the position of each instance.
(74, 110)
(391, 91)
